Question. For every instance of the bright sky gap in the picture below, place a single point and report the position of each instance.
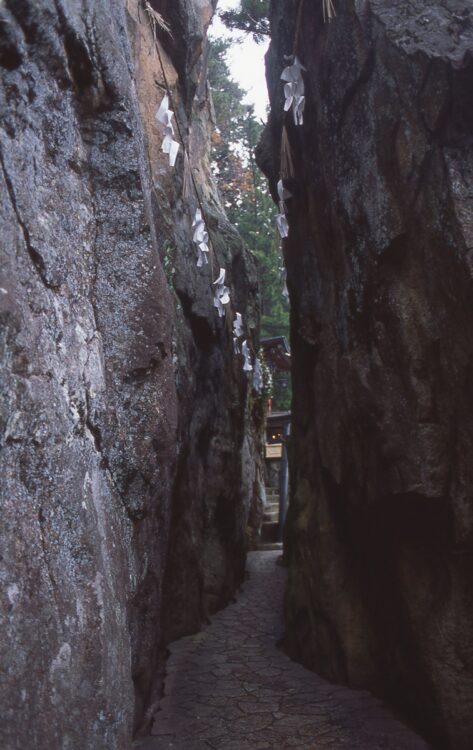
(245, 60)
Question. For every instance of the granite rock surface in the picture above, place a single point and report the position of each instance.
(379, 262)
(124, 413)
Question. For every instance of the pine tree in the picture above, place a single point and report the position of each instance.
(251, 18)
(247, 201)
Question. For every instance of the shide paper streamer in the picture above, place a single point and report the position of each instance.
(245, 350)
(237, 332)
(169, 146)
(294, 90)
(238, 325)
(201, 238)
(285, 291)
(281, 219)
(282, 224)
(200, 235)
(294, 93)
(283, 194)
(222, 293)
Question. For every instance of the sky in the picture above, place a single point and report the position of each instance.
(245, 60)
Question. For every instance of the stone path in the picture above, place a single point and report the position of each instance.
(230, 688)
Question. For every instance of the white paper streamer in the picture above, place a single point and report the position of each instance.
(281, 219)
(221, 277)
(200, 237)
(238, 325)
(225, 295)
(285, 291)
(169, 146)
(222, 293)
(247, 366)
(282, 225)
(283, 194)
(236, 346)
(202, 259)
(294, 90)
(162, 113)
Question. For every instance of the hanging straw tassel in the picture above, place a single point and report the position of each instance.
(329, 10)
(287, 162)
(156, 19)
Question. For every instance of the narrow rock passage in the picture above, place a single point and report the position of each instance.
(230, 688)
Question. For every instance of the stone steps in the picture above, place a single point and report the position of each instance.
(271, 511)
(270, 528)
(268, 546)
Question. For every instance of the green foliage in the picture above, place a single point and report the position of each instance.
(251, 18)
(243, 187)
(267, 377)
(229, 135)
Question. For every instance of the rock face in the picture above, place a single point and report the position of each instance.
(380, 274)
(126, 421)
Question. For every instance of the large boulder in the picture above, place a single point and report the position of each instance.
(380, 274)
(123, 408)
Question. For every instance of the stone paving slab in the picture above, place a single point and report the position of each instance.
(229, 687)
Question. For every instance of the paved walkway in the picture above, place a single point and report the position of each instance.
(230, 688)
